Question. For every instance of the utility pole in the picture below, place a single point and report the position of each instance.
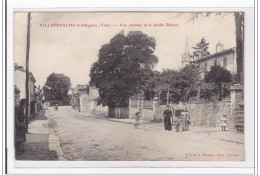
(27, 72)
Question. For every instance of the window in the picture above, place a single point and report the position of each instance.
(225, 62)
(206, 67)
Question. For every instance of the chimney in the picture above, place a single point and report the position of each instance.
(219, 47)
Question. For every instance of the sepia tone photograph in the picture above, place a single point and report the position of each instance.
(129, 86)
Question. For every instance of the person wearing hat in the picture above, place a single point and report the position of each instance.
(167, 114)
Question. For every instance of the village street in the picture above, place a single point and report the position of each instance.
(84, 136)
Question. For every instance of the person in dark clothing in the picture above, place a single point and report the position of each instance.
(137, 122)
(20, 127)
(167, 114)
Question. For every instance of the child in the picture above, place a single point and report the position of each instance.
(137, 122)
(177, 124)
(224, 122)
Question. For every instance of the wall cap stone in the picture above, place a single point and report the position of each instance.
(236, 87)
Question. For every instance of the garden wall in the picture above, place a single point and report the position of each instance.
(202, 114)
(209, 113)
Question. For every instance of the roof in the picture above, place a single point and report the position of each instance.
(82, 87)
(217, 53)
(21, 68)
(16, 89)
(32, 77)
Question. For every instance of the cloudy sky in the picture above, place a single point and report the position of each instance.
(72, 50)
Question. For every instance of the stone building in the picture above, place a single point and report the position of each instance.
(80, 97)
(225, 58)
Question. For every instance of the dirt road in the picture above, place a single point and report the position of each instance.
(88, 137)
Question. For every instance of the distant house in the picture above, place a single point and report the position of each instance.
(80, 98)
(19, 83)
(224, 57)
(93, 93)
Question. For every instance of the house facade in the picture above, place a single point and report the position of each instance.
(80, 98)
(225, 58)
(19, 84)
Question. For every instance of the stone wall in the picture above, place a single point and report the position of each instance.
(159, 113)
(202, 114)
(132, 112)
(147, 114)
(84, 103)
(210, 113)
(98, 109)
(237, 107)
(118, 112)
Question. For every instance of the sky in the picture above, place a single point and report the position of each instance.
(72, 50)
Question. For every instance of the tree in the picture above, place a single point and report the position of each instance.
(218, 75)
(57, 87)
(122, 67)
(151, 81)
(239, 21)
(167, 85)
(188, 81)
(178, 85)
(201, 49)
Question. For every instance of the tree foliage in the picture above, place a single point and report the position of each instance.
(56, 87)
(123, 67)
(188, 81)
(181, 84)
(201, 49)
(218, 75)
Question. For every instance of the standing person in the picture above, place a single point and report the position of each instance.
(20, 127)
(188, 122)
(177, 124)
(224, 122)
(167, 114)
(137, 117)
(184, 118)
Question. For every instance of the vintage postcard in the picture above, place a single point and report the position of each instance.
(129, 86)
